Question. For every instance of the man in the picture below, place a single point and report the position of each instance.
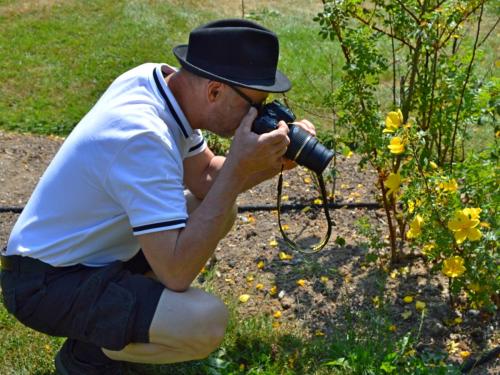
(74, 267)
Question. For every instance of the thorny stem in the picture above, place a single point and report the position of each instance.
(488, 33)
(411, 85)
(334, 123)
(469, 69)
(433, 87)
(387, 209)
(393, 68)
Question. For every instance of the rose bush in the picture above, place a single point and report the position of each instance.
(409, 99)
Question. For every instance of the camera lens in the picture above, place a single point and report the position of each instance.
(306, 150)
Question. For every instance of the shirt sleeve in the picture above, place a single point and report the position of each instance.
(146, 179)
(196, 144)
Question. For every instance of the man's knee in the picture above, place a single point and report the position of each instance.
(207, 337)
(194, 322)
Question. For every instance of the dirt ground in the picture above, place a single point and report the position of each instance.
(342, 277)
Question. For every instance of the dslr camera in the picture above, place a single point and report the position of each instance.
(304, 148)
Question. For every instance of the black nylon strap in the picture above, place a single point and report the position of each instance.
(330, 223)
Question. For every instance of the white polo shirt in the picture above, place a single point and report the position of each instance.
(119, 174)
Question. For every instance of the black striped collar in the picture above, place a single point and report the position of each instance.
(171, 103)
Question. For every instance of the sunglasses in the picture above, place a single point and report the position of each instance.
(257, 106)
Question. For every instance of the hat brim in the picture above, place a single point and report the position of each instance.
(281, 82)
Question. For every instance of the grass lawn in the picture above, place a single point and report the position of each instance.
(58, 57)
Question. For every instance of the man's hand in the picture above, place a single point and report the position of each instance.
(252, 153)
(308, 127)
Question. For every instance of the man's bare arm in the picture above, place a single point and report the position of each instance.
(177, 256)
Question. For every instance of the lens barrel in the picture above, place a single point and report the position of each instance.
(306, 150)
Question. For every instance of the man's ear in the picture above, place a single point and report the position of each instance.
(214, 89)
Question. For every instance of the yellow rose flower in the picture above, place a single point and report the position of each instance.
(450, 186)
(415, 227)
(393, 182)
(393, 121)
(453, 267)
(464, 223)
(397, 146)
(472, 212)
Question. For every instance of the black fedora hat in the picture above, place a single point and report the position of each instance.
(234, 51)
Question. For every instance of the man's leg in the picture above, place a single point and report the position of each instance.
(185, 326)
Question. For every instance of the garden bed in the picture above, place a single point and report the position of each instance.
(313, 292)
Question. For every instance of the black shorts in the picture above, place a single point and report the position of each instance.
(109, 306)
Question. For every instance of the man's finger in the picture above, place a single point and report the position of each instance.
(247, 121)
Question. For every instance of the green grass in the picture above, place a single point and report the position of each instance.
(58, 59)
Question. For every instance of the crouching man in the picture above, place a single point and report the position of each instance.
(134, 204)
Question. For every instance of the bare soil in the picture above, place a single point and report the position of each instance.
(354, 277)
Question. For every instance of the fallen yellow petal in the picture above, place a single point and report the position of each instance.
(419, 305)
(285, 227)
(285, 256)
(273, 243)
(250, 278)
(277, 314)
(244, 298)
(324, 279)
(301, 282)
(408, 299)
(307, 180)
(261, 265)
(464, 354)
(273, 290)
(318, 201)
(259, 286)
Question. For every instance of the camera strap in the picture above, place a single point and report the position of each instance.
(324, 241)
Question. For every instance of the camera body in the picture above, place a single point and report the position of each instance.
(304, 148)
